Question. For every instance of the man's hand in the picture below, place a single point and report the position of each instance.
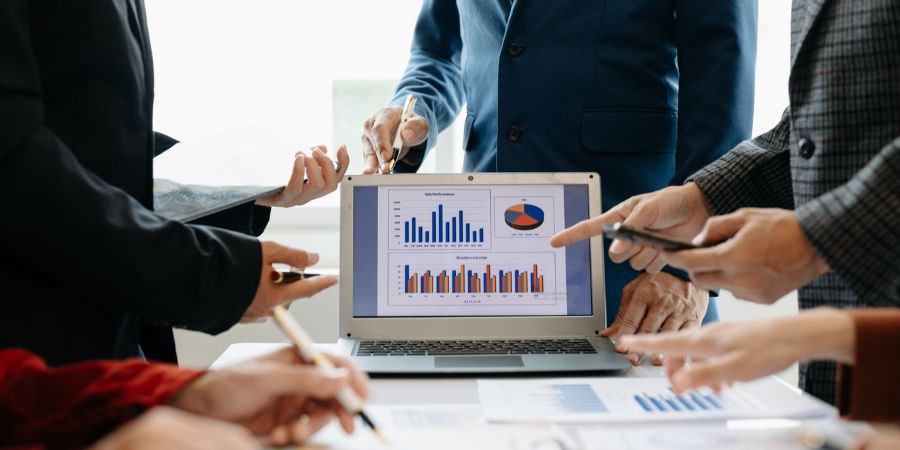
(312, 177)
(378, 136)
(677, 211)
(765, 257)
(725, 353)
(277, 396)
(169, 428)
(656, 303)
(269, 295)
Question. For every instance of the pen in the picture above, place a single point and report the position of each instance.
(290, 277)
(346, 396)
(398, 140)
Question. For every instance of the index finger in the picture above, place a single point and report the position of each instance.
(584, 230)
(305, 288)
(679, 344)
(358, 379)
(699, 260)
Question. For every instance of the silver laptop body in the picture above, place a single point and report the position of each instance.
(455, 274)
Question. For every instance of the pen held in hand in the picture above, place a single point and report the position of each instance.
(398, 139)
(279, 277)
(346, 397)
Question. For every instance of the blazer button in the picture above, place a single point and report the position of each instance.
(807, 148)
(515, 50)
(514, 134)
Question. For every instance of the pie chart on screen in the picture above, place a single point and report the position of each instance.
(524, 216)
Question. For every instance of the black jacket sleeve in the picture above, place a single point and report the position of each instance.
(101, 241)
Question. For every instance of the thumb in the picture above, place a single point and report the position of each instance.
(718, 229)
(414, 131)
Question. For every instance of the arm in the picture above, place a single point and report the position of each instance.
(716, 61)
(755, 173)
(112, 248)
(433, 74)
(70, 406)
(868, 390)
(856, 228)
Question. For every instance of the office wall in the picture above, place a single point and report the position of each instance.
(294, 64)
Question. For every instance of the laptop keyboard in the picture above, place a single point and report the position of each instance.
(479, 347)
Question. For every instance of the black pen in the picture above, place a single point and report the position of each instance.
(279, 277)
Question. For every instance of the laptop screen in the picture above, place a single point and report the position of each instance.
(468, 251)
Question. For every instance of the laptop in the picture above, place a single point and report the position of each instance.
(455, 274)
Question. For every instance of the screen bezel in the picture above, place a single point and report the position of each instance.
(468, 326)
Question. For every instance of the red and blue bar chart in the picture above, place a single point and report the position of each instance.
(466, 281)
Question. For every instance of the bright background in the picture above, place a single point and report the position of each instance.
(315, 71)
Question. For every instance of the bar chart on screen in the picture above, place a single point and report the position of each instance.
(434, 219)
(492, 279)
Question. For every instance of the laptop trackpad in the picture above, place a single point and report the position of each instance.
(444, 362)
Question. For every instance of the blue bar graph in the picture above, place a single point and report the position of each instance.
(577, 398)
(671, 403)
(445, 229)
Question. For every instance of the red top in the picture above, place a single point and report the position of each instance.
(71, 406)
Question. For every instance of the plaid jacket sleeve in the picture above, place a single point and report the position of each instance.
(756, 173)
(856, 228)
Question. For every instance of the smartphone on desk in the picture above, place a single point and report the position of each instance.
(623, 232)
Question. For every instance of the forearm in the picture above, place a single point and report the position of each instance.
(67, 407)
(716, 61)
(856, 229)
(117, 251)
(434, 74)
(756, 173)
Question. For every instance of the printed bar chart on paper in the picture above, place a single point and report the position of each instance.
(640, 400)
(434, 219)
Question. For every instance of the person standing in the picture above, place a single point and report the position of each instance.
(813, 203)
(87, 270)
(642, 92)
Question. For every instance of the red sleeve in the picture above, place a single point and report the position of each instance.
(869, 390)
(71, 406)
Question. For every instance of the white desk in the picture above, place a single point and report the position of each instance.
(411, 390)
(456, 391)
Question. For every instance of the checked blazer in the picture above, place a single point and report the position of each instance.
(834, 157)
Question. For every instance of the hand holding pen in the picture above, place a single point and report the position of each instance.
(388, 135)
(268, 294)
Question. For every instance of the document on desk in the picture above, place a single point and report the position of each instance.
(202, 176)
(642, 400)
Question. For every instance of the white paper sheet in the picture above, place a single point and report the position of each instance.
(623, 400)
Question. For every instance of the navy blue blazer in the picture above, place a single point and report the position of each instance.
(644, 92)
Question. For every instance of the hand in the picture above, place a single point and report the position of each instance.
(678, 211)
(378, 135)
(276, 396)
(886, 440)
(269, 295)
(320, 178)
(766, 255)
(654, 303)
(724, 353)
(164, 427)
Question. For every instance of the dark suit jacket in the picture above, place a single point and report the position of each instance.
(85, 267)
(834, 157)
(644, 92)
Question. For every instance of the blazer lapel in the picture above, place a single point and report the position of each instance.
(804, 16)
